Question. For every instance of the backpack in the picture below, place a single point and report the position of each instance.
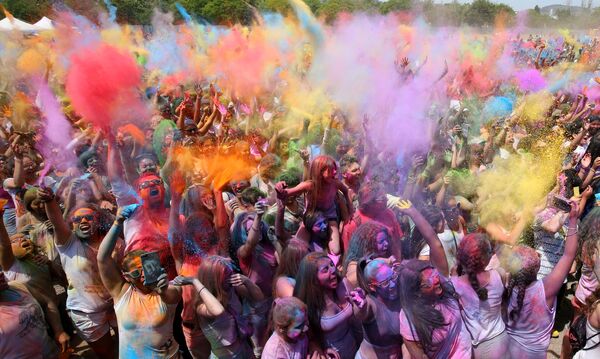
(577, 335)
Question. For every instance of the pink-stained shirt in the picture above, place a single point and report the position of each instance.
(451, 341)
(278, 348)
(533, 326)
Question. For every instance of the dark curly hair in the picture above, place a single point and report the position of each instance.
(473, 255)
(415, 243)
(363, 242)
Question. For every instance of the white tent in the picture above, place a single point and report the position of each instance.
(7, 24)
(44, 24)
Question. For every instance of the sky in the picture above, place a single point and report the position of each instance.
(529, 4)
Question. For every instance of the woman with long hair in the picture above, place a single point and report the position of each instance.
(376, 302)
(225, 328)
(590, 255)
(321, 191)
(285, 277)
(329, 311)
(531, 303)
(257, 258)
(480, 292)
(430, 320)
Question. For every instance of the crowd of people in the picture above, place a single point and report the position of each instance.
(225, 231)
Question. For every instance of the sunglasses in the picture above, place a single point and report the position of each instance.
(135, 274)
(78, 219)
(386, 282)
(146, 184)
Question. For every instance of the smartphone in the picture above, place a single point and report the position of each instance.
(151, 267)
(561, 203)
(576, 192)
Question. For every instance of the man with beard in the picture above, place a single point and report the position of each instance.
(89, 304)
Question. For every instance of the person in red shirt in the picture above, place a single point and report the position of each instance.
(372, 206)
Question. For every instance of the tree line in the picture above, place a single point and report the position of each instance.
(226, 12)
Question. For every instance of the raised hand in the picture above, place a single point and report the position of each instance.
(45, 194)
(358, 297)
(126, 212)
(181, 280)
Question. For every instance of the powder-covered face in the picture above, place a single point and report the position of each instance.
(299, 326)
(84, 223)
(384, 282)
(326, 274)
(135, 273)
(382, 244)
(353, 172)
(431, 285)
(21, 245)
(329, 174)
(152, 190)
(320, 228)
(146, 165)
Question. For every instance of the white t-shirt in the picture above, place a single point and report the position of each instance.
(451, 341)
(482, 317)
(85, 291)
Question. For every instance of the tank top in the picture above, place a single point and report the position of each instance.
(337, 332)
(482, 317)
(145, 325)
(23, 330)
(381, 335)
(533, 326)
(593, 342)
(222, 332)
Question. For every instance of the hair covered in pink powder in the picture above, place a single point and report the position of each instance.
(103, 85)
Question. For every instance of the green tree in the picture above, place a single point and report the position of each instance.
(136, 12)
(537, 9)
(30, 10)
(228, 11)
(481, 12)
(330, 9)
(394, 5)
(280, 6)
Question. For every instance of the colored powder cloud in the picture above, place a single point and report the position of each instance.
(103, 86)
(530, 80)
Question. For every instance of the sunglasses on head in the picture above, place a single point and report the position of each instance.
(78, 219)
(146, 184)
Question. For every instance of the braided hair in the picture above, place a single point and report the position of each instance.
(473, 255)
(523, 266)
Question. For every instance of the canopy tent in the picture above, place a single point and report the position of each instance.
(7, 24)
(44, 24)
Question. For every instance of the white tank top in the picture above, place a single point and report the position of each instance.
(592, 342)
(533, 326)
(483, 318)
(145, 326)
